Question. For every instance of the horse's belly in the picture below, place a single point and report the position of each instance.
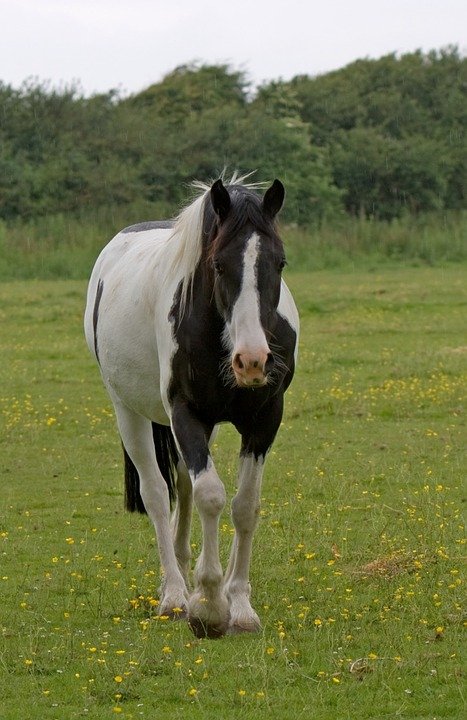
(133, 385)
(149, 404)
(130, 365)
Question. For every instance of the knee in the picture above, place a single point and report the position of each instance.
(245, 515)
(209, 496)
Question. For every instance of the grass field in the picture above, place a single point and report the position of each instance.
(357, 566)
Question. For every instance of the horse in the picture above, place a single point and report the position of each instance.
(192, 326)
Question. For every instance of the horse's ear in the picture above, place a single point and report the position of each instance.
(273, 199)
(220, 200)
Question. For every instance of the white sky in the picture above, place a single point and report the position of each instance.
(130, 44)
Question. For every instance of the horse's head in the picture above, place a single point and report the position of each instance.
(246, 258)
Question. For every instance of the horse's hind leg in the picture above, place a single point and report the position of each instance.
(137, 437)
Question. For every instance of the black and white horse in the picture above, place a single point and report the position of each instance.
(192, 325)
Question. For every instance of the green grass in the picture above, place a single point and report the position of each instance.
(358, 558)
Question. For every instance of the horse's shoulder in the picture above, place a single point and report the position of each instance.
(287, 307)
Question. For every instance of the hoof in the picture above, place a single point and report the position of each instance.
(206, 630)
(208, 617)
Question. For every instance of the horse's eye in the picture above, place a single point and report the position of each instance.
(282, 264)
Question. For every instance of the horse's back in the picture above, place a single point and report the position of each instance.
(131, 247)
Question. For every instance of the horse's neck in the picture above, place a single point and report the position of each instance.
(201, 311)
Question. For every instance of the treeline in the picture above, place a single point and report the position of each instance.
(378, 138)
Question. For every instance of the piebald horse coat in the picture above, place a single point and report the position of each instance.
(192, 325)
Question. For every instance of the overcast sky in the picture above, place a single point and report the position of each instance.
(130, 44)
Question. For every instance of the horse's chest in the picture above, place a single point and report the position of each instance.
(197, 379)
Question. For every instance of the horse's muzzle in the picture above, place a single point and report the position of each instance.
(252, 369)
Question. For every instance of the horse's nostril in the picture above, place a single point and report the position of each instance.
(238, 362)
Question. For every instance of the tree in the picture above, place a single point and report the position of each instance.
(193, 89)
(383, 177)
(382, 136)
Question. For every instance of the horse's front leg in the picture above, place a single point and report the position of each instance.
(208, 607)
(245, 514)
(258, 433)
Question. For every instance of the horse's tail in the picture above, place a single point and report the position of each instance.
(167, 459)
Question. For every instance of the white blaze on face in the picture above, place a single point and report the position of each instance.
(247, 338)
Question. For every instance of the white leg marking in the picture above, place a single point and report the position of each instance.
(136, 433)
(208, 608)
(245, 513)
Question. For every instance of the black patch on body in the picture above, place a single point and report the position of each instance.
(95, 315)
(200, 396)
(149, 225)
(201, 392)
